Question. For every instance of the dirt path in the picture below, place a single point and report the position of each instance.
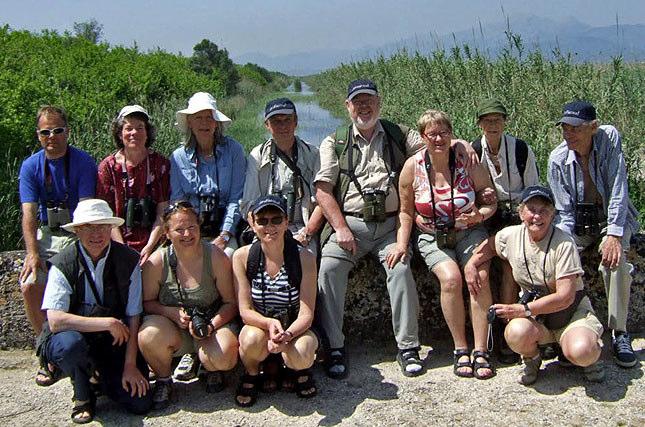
(375, 394)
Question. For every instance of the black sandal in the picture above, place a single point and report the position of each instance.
(305, 384)
(482, 365)
(458, 353)
(336, 359)
(248, 388)
(288, 380)
(89, 407)
(270, 375)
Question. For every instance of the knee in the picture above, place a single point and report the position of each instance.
(153, 340)
(302, 354)
(518, 332)
(68, 348)
(252, 339)
(451, 283)
(581, 351)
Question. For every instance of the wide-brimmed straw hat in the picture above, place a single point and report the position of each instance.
(93, 211)
(199, 102)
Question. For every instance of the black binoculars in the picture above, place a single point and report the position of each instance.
(210, 215)
(140, 212)
(445, 234)
(57, 214)
(586, 219)
(374, 207)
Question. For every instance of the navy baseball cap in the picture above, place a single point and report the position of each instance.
(361, 86)
(577, 112)
(270, 200)
(279, 106)
(537, 191)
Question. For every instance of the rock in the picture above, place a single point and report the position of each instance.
(368, 314)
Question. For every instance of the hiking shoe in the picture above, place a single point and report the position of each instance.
(187, 367)
(161, 393)
(336, 363)
(410, 362)
(530, 370)
(623, 351)
(594, 373)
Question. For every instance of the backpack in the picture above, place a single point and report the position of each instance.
(521, 154)
(291, 256)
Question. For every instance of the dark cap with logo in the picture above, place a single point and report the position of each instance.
(361, 86)
(269, 200)
(537, 191)
(279, 106)
(577, 113)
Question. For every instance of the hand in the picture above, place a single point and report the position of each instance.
(118, 330)
(469, 219)
(612, 251)
(181, 318)
(276, 331)
(197, 337)
(345, 239)
(220, 242)
(275, 348)
(398, 253)
(145, 254)
(465, 153)
(133, 381)
(510, 311)
(471, 275)
(487, 196)
(32, 263)
(302, 237)
(423, 225)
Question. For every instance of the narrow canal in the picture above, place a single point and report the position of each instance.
(314, 122)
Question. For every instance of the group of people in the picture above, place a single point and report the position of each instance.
(144, 260)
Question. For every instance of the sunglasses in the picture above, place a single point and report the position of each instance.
(48, 132)
(275, 220)
(182, 204)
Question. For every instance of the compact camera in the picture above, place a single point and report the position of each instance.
(140, 212)
(586, 219)
(445, 234)
(374, 207)
(57, 214)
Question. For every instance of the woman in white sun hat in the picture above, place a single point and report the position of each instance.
(208, 170)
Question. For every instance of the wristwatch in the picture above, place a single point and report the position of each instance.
(527, 310)
(225, 236)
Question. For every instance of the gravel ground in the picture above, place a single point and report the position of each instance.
(375, 394)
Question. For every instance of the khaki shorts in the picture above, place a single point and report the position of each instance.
(584, 316)
(467, 242)
(49, 244)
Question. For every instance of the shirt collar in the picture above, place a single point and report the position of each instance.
(88, 259)
(378, 129)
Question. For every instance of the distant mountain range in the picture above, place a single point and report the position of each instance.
(567, 35)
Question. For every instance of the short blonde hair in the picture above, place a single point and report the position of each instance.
(431, 117)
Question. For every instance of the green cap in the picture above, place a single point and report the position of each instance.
(490, 106)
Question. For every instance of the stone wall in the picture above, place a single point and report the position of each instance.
(368, 314)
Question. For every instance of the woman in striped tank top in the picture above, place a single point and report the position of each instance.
(276, 307)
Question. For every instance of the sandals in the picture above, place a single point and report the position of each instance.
(46, 376)
(214, 381)
(410, 362)
(89, 407)
(458, 353)
(478, 354)
(336, 365)
(288, 377)
(305, 385)
(271, 373)
(247, 389)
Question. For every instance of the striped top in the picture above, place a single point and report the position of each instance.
(274, 293)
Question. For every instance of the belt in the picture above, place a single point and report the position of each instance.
(360, 214)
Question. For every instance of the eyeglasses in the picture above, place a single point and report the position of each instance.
(433, 135)
(363, 102)
(181, 204)
(275, 220)
(45, 133)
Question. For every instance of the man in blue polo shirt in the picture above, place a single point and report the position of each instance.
(51, 183)
(588, 177)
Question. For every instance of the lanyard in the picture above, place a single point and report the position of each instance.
(350, 155)
(88, 275)
(262, 271)
(172, 261)
(428, 166)
(291, 163)
(125, 178)
(49, 180)
(217, 188)
(546, 252)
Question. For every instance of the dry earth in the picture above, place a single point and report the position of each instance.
(375, 394)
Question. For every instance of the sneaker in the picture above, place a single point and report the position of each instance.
(336, 364)
(410, 362)
(530, 370)
(187, 367)
(623, 351)
(594, 373)
(161, 393)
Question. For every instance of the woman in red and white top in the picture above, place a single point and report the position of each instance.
(442, 197)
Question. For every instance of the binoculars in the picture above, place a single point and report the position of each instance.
(507, 215)
(140, 212)
(201, 318)
(445, 234)
(210, 215)
(374, 207)
(57, 215)
(586, 219)
(284, 316)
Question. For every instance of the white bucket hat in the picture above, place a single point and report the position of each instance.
(93, 211)
(199, 102)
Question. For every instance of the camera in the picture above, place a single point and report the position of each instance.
(445, 234)
(528, 296)
(210, 215)
(492, 315)
(283, 315)
(374, 207)
(57, 215)
(201, 318)
(140, 212)
(586, 219)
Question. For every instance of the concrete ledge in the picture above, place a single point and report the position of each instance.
(368, 313)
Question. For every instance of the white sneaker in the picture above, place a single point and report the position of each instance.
(187, 367)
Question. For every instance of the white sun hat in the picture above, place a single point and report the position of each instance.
(93, 211)
(199, 102)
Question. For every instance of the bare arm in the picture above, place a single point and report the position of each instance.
(308, 287)
(151, 272)
(63, 321)
(29, 226)
(243, 291)
(132, 379)
(327, 201)
(406, 214)
(223, 272)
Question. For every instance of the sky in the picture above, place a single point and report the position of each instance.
(293, 26)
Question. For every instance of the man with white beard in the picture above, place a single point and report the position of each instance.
(356, 188)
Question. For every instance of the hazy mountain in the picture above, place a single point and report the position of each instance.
(568, 35)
